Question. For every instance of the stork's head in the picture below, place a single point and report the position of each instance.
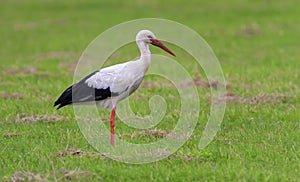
(149, 38)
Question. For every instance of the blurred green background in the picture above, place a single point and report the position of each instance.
(256, 42)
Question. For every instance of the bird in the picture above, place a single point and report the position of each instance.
(108, 86)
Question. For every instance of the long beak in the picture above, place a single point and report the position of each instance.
(157, 43)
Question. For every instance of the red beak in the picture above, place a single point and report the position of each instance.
(157, 43)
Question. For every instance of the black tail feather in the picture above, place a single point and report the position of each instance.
(81, 92)
(64, 99)
(66, 96)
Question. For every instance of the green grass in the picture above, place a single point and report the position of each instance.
(256, 42)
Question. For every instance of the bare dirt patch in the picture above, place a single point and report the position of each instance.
(230, 97)
(25, 176)
(7, 95)
(33, 119)
(185, 158)
(79, 153)
(26, 71)
(155, 133)
(206, 157)
(10, 135)
(201, 83)
(249, 30)
(63, 153)
(154, 84)
(70, 67)
(75, 175)
(198, 82)
(60, 175)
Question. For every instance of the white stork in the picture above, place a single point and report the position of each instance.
(112, 84)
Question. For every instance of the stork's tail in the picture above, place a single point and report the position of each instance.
(64, 99)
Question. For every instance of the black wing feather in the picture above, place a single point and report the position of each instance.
(81, 92)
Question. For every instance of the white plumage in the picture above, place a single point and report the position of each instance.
(110, 85)
(122, 79)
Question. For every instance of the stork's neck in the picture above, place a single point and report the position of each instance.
(145, 51)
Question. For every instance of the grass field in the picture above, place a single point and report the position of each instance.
(256, 42)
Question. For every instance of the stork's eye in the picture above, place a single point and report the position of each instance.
(150, 37)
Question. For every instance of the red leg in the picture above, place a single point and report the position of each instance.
(112, 126)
